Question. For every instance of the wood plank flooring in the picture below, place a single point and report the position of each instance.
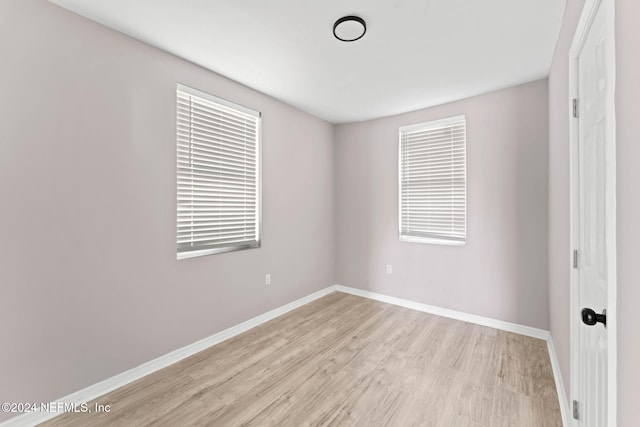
(344, 360)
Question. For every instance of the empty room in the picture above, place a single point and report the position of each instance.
(336, 213)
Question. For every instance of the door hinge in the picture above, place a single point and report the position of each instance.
(575, 107)
(575, 258)
(576, 414)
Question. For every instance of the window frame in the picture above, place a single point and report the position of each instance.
(438, 240)
(258, 175)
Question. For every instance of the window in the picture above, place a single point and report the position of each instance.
(433, 182)
(218, 162)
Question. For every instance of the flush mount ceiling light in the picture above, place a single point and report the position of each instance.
(349, 28)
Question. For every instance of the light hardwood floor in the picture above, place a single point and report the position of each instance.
(344, 360)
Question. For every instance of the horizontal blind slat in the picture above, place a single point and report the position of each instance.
(204, 174)
(213, 145)
(216, 154)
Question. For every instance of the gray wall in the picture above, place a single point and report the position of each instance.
(559, 249)
(628, 176)
(502, 271)
(628, 202)
(89, 283)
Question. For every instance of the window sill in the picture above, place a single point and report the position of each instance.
(205, 252)
(432, 240)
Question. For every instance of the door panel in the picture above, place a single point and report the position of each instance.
(593, 175)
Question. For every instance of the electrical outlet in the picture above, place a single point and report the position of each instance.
(267, 279)
(389, 269)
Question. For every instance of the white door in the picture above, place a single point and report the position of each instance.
(594, 185)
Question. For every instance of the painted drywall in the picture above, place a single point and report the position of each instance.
(628, 207)
(501, 272)
(89, 283)
(559, 250)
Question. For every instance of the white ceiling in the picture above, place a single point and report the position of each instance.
(416, 53)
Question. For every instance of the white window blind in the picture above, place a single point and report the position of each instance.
(218, 175)
(433, 181)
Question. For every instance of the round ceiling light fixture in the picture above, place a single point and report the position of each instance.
(349, 28)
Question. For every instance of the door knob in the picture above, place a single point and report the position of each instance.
(590, 317)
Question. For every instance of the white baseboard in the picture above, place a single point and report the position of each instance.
(452, 314)
(115, 382)
(565, 408)
(96, 390)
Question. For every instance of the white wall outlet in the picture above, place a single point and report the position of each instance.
(389, 269)
(267, 279)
